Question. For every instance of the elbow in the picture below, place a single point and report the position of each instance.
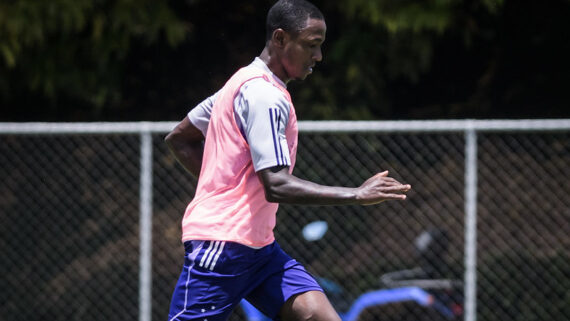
(279, 192)
(277, 184)
(271, 195)
(172, 140)
(182, 135)
(168, 139)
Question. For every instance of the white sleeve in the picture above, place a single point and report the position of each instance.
(199, 116)
(265, 116)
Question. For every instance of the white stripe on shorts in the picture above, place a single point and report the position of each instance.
(213, 253)
(206, 253)
(217, 256)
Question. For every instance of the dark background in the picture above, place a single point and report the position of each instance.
(87, 60)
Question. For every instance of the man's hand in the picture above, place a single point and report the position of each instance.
(379, 188)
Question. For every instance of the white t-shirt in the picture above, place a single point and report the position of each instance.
(262, 113)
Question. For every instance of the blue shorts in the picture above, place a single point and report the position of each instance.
(217, 275)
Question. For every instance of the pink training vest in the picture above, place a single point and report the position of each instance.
(230, 203)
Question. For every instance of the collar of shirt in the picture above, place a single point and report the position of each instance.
(257, 62)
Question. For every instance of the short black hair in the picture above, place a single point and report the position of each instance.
(291, 16)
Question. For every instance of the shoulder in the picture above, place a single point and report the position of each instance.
(259, 91)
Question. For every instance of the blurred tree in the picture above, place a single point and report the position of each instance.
(383, 50)
(153, 60)
(441, 59)
(72, 52)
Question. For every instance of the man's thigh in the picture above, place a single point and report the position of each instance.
(211, 284)
(288, 278)
(311, 305)
(217, 275)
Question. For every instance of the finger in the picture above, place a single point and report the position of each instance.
(394, 197)
(382, 180)
(382, 174)
(389, 180)
(396, 188)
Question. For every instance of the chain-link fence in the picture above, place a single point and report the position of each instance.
(74, 248)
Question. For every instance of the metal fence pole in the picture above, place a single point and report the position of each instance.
(145, 263)
(470, 223)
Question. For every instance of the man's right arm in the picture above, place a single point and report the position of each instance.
(186, 142)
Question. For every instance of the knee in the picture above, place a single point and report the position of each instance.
(310, 307)
(323, 315)
(315, 313)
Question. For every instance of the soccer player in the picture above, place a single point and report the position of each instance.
(241, 144)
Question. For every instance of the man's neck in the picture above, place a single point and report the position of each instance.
(273, 64)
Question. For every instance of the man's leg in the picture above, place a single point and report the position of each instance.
(287, 291)
(311, 305)
(212, 282)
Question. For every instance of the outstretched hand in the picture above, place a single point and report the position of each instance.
(379, 188)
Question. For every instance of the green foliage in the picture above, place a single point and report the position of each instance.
(76, 48)
(403, 15)
(380, 43)
(417, 16)
(120, 60)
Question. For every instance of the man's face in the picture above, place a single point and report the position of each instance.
(303, 51)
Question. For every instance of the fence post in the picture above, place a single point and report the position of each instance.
(470, 290)
(145, 258)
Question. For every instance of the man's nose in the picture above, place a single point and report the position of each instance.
(318, 55)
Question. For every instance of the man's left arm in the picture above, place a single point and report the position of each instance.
(282, 187)
(268, 115)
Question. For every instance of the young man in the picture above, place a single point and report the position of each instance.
(241, 143)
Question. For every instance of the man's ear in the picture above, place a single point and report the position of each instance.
(279, 37)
